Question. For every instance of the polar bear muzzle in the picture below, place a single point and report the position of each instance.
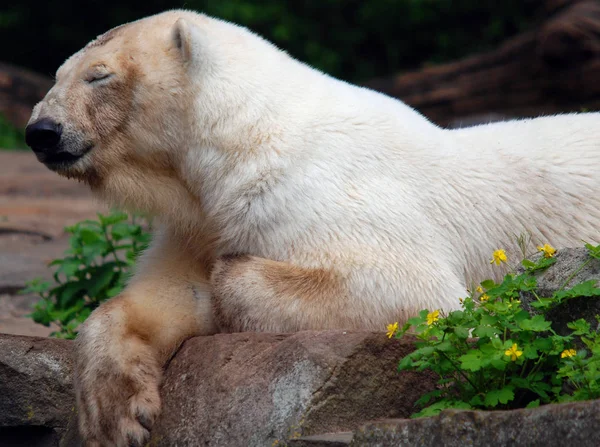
(44, 137)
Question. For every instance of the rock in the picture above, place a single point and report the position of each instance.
(13, 316)
(341, 439)
(271, 390)
(547, 426)
(37, 201)
(248, 389)
(564, 274)
(255, 389)
(549, 69)
(20, 90)
(35, 206)
(36, 390)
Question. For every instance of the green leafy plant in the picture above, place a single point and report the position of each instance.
(581, 368)
(10, 136)
(495, 354)
(94, 269)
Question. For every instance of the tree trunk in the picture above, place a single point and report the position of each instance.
(553, 68)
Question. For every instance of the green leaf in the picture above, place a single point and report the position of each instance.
(405, 363)
(69, 267)
(112, 218)
(579, 327)
(443, 404)
(415, 321)
(455, 317)
(503, 396)
(543, 303)
(471, 361)
(490, 348)
(41, 312)
(444, 346)
(587, 288)
(543, 263)
(488, 284)
(543, 344)
(533, 404)
(424, 400)
(499, 364)
(124, 230)
(95, 250)
(476, 401)
(496, 343)
(101, 278)
(528, 264)
(83, 314)
(485, 331)
(593, 251)
(537, 324)
(530, 352)
(461, 332)
(37, 286)
(65, 316)
(89, 236)
(69, 294)
(489, 320)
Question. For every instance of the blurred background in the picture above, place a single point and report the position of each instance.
(518, 57)
(459, 62)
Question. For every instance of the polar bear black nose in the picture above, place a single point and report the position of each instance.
(43, 135)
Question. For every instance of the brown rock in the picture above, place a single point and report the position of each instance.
(36, 395)
(225, 390)
(572, 424)
(573, 266)
(341, 439)
(257, 389)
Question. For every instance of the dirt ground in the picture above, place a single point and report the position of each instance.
(35, 206)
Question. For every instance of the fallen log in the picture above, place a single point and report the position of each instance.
(553, 68)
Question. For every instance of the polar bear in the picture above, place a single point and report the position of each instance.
(287, 200)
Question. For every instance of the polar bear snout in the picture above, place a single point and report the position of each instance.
(43, 135)
(54, 146)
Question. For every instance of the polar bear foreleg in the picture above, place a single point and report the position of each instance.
(123, 346)
(257, 294)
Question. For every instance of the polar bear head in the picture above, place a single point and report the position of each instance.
(128, 108)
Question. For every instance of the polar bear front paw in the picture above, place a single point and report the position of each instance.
(117, 388)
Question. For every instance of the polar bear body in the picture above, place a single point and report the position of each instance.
(288, 200)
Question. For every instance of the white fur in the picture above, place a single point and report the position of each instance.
(332, 191)
(408, 212)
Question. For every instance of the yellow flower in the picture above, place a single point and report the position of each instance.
(432, 317)
(479, 289)
(568, 353)
(483, 298)
(548, 250)
(498, 257)
(513, 352)
(392, 329)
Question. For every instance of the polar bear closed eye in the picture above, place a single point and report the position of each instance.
(287, 199)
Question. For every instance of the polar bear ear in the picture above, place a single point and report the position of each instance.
(187, 39)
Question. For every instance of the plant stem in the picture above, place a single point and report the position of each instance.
(536, 366)
(112, 248)
(580, 268)
(460, 371)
